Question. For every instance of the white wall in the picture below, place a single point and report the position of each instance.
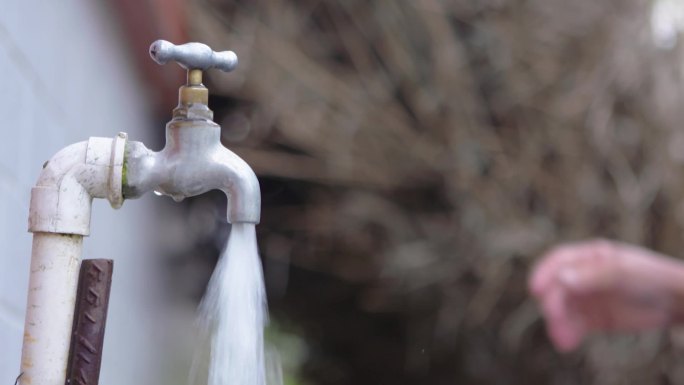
(67, 75)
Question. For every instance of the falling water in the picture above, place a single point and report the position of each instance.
(233, 313)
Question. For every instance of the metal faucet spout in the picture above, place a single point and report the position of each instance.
(194, 161)
(241, 186)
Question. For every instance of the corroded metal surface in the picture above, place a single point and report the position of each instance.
(92, 301)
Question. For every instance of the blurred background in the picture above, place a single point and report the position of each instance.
(415, 158)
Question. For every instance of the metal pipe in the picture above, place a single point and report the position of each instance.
(90, 318)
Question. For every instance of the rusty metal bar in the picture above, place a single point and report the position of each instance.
(90, 316)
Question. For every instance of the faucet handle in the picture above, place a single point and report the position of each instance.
(193, 56)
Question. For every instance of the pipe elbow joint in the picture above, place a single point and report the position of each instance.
(61, 200)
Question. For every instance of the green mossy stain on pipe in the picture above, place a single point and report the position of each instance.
(124, 172)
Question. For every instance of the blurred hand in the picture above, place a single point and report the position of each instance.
(606, 286)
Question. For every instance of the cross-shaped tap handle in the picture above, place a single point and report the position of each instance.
(193, 56)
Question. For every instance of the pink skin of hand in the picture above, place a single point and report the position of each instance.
(606, 286)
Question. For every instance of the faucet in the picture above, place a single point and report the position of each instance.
(192, 162)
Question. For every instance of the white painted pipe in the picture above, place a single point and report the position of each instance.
(55, 262)
(59, 217)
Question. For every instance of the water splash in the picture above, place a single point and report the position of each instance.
(233, 313)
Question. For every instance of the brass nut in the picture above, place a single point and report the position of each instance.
(189, 95)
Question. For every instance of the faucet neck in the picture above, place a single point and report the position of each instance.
(193, 99)
(192, 137)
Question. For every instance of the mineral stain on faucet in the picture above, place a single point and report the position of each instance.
(192, 162)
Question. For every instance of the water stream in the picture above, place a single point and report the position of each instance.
(233, 314)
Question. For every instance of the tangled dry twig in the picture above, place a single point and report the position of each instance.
(435, 150)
